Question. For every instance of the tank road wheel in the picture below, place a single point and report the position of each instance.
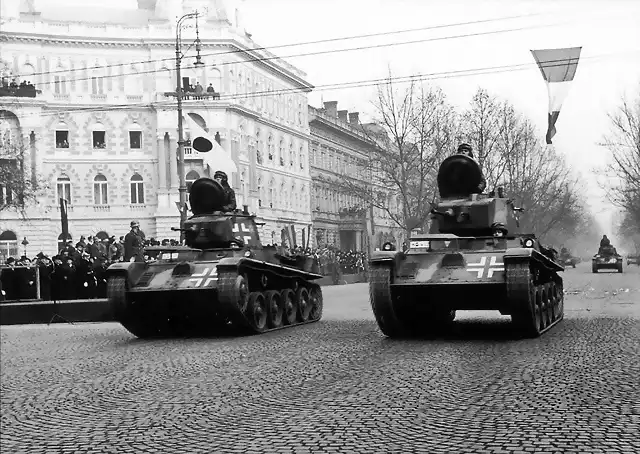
(382, 302)
(275, 308)
(257, 312)
(548, 304)
(553, 301)
(127, 316)
(315, 298)
(304, 305)
(522, 296)
(559, 301)
(539, 309)
(288, 299)
(233, 294)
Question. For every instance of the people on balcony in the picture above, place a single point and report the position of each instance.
(25, 89)
(198, 92)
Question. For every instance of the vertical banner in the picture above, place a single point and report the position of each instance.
(558, 67)
(64, 220)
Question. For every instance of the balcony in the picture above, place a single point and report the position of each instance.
(102, 208)
(193, 96)
(23, 90)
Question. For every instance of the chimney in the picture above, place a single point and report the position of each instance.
(331, 108)
(342, 115)
(354, 118)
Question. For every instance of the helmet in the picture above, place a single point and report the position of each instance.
(220, 174)
(465, 148)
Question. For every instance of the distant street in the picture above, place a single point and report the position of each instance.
(337, 385)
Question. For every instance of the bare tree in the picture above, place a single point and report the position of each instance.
(19, 184)
(623, 143)
(412, 130)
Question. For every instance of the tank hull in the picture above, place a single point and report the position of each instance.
(196, 294)
(419, 291)
(606, 263)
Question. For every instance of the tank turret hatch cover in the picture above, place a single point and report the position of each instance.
(458, 176)
(206, 196)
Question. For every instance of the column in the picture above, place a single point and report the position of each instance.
(162, 164)
(173, 163)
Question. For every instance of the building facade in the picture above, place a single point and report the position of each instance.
(342, 217)
(102, 123)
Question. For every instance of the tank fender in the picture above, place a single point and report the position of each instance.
(230, 262)
(390, 258)
(132, 270)
(517, 254)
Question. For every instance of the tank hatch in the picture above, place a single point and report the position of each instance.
(458, 177)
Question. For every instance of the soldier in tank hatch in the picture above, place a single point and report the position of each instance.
(466, 150)
(229, 195)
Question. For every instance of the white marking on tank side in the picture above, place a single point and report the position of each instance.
(426, 274)
(482, 266)
(197, 281)
(204, 273)
(239, 230)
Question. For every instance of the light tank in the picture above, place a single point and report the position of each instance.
(607, 258)
(473, 258)
(223, 279)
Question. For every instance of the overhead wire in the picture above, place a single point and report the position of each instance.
(343, 85)
(305, 43)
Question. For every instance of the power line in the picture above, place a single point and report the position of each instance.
(332, 51)
(344, 85)
(306, 43)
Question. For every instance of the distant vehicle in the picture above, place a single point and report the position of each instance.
(633, 260)
(473, 258)
(566, 259)
(607, 258)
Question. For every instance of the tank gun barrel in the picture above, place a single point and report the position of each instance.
(448, 213)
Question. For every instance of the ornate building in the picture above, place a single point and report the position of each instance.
(341, 217)
(103, 125)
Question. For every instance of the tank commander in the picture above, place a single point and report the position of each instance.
(229, 194)
(134, 244)
(466, 150)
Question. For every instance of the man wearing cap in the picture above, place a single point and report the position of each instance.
(134, 244)
(466, 150)
(229, 195)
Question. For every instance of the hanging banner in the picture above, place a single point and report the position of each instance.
(558, 67)
(216, 157)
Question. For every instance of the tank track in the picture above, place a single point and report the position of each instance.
(244, 306)
(536, 295)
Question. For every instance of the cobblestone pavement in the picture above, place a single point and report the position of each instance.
(337, 385)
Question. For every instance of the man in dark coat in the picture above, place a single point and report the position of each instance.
(229, 194)
(466, 150)
(134, 243)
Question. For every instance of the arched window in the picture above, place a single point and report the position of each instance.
(281, 152)
(8, 245)
(291, 154)
(260, 192)
(97, 81)
(270, 194)
(62, 241)
(270, 146)
(60, 81)
(63, 185)
(135, 136)
(137, 189)
(99, 136)
(190, 178)
(215, 79)
(301, 157)
(259, 156)
(100, 190)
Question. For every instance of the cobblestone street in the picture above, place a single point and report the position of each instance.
(337, 385)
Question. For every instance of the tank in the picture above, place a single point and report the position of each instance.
(222, 279)
(472, 258)
(607, 258)
(567, 259)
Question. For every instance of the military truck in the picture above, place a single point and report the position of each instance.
(473, 258)
(222, 279)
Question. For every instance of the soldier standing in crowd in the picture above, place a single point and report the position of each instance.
(134, 243)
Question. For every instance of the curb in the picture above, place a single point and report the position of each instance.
(43, 312)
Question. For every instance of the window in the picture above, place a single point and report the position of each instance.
(137, 189)
(60, 85)
(100, 190)
(62, 139)
(97, 85)
(63, 185)
(281, 152)
(301, 158)
(6, 194)
(99, 136)
(270, 146)
(135, 139)
(8, 245)
(191, 177)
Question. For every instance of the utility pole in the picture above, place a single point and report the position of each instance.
(181, 142)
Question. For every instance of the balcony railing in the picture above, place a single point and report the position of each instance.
(193, 95)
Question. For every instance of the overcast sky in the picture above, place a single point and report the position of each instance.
(607, 30)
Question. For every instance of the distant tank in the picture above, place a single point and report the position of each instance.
(607, 258)
(223, 279)
(473, 258)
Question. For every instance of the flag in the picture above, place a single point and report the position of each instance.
(558, 67)
(64, 219)
(217, 158)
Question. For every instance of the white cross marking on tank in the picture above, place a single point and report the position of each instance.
(203, 274)
(240, 228)
(480, 267)
(214, 272)
(197, 281)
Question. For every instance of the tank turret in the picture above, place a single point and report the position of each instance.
(210, 227)
(463, 210)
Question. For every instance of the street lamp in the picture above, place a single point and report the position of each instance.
(25, 242)
(181, 142)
